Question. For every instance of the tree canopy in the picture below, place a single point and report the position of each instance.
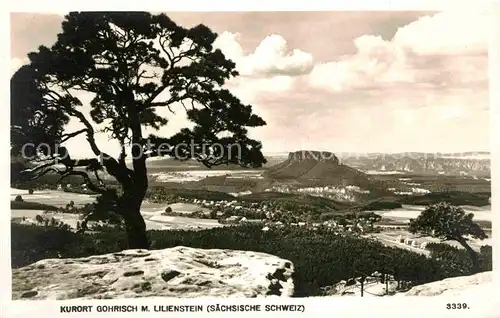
(31, 119)
(446, 222)
(131, 64)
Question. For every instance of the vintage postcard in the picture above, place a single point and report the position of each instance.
(251, 163)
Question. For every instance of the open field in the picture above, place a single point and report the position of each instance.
(150, 211)
(408, 212)
(182, 176)
(389, 238)
(53, 197)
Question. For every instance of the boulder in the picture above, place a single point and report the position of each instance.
(473, 285)
(174, 272)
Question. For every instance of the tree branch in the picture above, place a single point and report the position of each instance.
(87, 179)
(71, 135)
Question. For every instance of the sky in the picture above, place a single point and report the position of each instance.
(336, 81)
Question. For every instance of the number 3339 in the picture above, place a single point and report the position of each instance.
(456, 306)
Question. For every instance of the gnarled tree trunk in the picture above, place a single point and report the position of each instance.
(472, 253)
(135, 227)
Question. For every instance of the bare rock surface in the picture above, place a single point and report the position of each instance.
(173, 272)
(473, 286)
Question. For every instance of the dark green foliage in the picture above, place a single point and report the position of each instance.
(106, 53)
(32, 119)
(486, 258)
(130, 62)
(320, 258)
(50, 181)
(456, 260)
(213, 214)
(24, 205)
(103, 209)
(382, 204)
(446, 222)
(452, 197)
(31, 243)
(436, 248)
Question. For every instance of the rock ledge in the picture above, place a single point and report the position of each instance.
(174, 272)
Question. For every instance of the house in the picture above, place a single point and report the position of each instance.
(255, 221)
(233, 219)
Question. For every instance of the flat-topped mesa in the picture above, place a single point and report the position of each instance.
(321, 156)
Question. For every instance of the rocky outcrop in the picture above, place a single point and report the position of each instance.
(321, 156)
(174, 272)
(473, 285)
(317, 168)
(463, 286)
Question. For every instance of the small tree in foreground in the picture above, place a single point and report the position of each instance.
(448, 222)
(130, 64)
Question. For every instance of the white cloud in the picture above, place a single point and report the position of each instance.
(376, 61)
(271, 57)
(448, 32)
(16, 63)
(271, 68)
(446, 48)
(248, 89)
(228, 43)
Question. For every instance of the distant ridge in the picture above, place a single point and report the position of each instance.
(475, 164)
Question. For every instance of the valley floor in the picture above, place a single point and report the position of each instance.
(152, 213)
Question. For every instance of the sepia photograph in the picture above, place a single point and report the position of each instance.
(250, 155)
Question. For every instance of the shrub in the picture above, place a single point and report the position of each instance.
(382, 205)
(457, 261)
(23, 205)
(30, 191)
(213, 214)
(19, 198)
(437, 248)
(486, 258)
(321, 258)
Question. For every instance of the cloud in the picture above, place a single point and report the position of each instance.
(419, 86)
(399, 118)
(271, 57)
(16, 63)
(376, 61)
(448, 48)
(448, 32)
